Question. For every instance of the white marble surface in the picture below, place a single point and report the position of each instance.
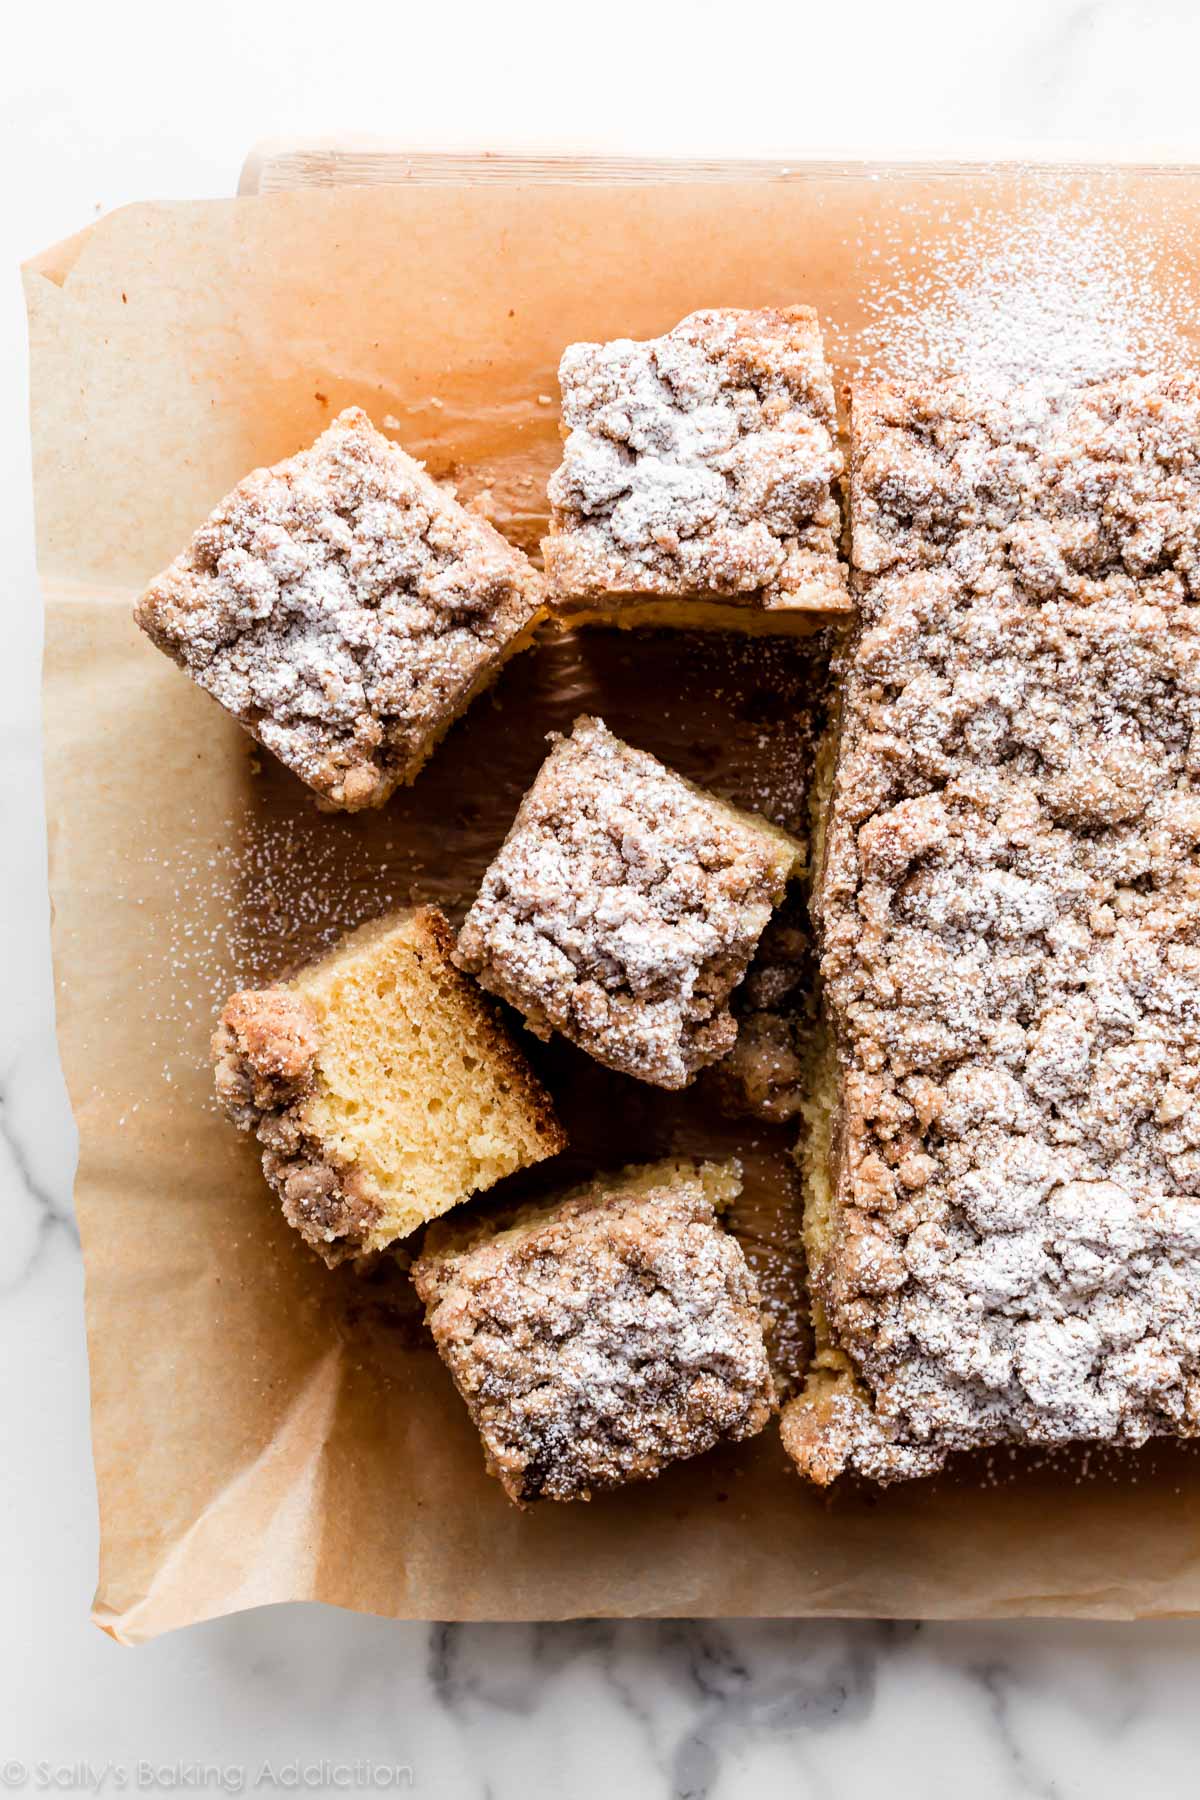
(102, 105)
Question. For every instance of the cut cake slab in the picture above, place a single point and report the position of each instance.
(1003, 1223)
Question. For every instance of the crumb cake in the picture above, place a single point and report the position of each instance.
(600, 1337)
(382, 1085)
(346, 610)
(697, 486)
(1003, 1212)
(624, 907)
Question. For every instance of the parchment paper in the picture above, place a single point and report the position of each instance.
(264, 1430)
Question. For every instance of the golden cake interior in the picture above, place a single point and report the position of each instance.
(822, 1089)
(418, 1087)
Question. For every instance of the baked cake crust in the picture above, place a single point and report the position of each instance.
(346, 610)
(699, 467)
(624, 906)
(269, 1073)
(601, 1337)
(1007, 1246)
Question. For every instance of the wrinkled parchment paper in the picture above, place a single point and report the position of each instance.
(265, 1430)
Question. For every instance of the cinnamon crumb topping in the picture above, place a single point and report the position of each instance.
(603, 1338)
(265, 1055)
(701, 463)
(624, 906)
(345, 609)
(1010, 916)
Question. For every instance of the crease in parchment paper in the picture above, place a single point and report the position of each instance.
(256, 1540)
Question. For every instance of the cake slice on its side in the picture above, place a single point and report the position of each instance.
(697, 482)
(346, 610)
(601, 1336)
(1003, 1214)
(832, 1425)
(382, 1085)
(624, 907)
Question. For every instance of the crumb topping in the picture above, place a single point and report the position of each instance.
(344, 608)
(265, 1054)
(834, 1426)
(623, 908)
(1009, 912)
(700, 462)
(600, 1340)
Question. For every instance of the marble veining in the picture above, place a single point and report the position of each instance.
(44, 1201)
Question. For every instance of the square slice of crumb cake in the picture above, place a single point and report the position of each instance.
(698, 480)
(602, 1336)
(624, 907)
(345, 609)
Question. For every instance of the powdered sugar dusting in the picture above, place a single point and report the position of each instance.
(605, 1337)
(1009, 919)
(1065, 292)
(246, 910)
(624, 907)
